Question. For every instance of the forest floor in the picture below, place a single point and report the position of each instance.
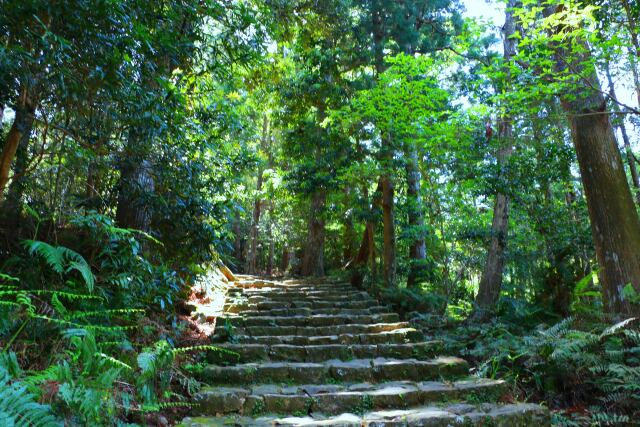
(320, 352)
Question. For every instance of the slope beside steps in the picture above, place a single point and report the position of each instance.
(325, 354)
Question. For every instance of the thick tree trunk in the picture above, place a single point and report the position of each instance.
(367, 250)
(614, 221)
(418, 247)
(348, 236)
(257, 205)
(491, 280)
(135, 186)
(634, 49)
(253, 233)
(20, 129)
(313, 258)
(635, 180)
(285, 258)
(389, 235)
(237, 241)
(358, 263)
(271, 244)
(12, 204)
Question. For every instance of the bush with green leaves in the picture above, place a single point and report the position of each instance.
(590, 365)
(92, 354)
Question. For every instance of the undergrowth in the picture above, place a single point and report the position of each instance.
(89, 333)
(586, 368)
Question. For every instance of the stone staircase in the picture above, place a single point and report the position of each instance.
(326, 354)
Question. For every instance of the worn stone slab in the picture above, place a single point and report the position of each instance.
(509, 415)
(334, 399)
(357, 370)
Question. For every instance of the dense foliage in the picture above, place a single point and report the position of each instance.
(480, 178)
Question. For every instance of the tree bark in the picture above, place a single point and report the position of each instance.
(253, 233)
(635, 180)
(313, 258)
(271, 243)
(136, 184)
(237, 241)
(389, 234)
(614, 221)
(12, 205)
(21, 128)
(418, 246)
(491, 279)
(348, 236)
(634, 49)
(257, 205)
(367, 250)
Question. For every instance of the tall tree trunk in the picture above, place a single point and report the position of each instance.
(634, 49)
(253, 233)
(237, 241)
(418, 246)
(12, 204)
(135, 186)
(257, 204)
(367, 250)
(614, 221)
(635, 180)
(20, 129)
(313, 258)
(389, 233)
(348, 236)
(271, 243)
(285, 258)
(491, 280)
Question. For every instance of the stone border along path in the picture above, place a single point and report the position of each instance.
(317, 353)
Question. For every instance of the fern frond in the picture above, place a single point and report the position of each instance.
(113, 361)
(51, 254)
(19, 407)
(62, 260)
(84, 314)
(614, 328)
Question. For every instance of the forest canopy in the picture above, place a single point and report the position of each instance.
(480, 178)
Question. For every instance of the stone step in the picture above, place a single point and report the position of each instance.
(296, 299)
(331, 399)
(314, 320)
(397, 336)
(319, 304)
(313, 312)
(244, 353)
(296, 291)
(279, 285)
(311, 331)
(454, 415)
(357, 370)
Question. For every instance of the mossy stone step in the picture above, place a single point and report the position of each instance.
(357, 370)
(270, 305)
(454, 415)
(396, 336)
(245, 353)
(332, 399)
(379, 309)
(300, 294)
(314, 320)
(337, 297)
(310, 331)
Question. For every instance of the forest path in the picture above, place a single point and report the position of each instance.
(322, 353)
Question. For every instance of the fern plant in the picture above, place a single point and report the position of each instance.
(62, 260)
(18, 407)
